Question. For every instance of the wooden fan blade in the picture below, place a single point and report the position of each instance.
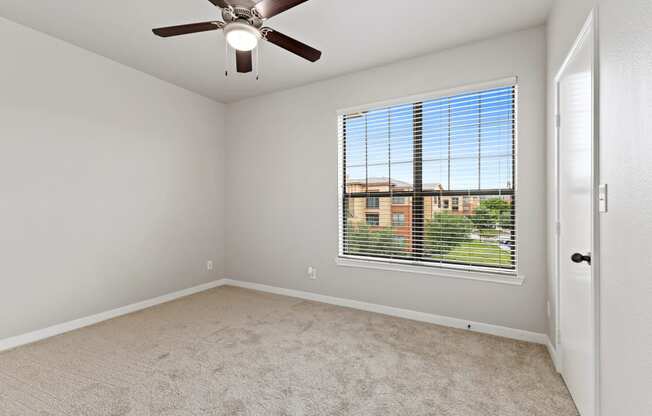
(244, 61)
(165, 32)
(292, 45)
(220, 3)
(269, 8)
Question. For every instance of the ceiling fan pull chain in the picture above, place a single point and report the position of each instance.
(226, 58)
(258, 62)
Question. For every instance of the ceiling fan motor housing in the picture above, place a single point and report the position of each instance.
(234, 14)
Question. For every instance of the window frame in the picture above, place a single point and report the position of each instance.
(372, 206)
(474, 272)
(455, 203)
(398, 200)
(368, 215)
(397, 223)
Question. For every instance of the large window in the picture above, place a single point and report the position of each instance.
(451, 162)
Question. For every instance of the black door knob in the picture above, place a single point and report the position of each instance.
(578, 258)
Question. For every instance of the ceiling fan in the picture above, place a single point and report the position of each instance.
(243, 28)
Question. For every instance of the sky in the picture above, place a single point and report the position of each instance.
(475, 129)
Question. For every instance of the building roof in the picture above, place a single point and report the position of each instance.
(377, 181)
(395, 183)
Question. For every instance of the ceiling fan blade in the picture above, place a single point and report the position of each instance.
(220, 3)
(269, 8)
(243, 61)
(165, 32)
(292, 45)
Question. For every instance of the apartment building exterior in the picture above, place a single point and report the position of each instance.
(396, 211)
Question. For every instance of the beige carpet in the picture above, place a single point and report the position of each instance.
(231, 351)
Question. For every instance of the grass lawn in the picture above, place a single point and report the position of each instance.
(489, 232)
(480, 252)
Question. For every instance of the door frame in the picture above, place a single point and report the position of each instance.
(590, 28)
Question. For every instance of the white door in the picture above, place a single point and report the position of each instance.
(575, 174)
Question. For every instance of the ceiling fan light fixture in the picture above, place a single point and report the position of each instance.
(241, 36)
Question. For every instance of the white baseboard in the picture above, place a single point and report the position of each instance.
(13, 342)
(501, 331)
(555, 355)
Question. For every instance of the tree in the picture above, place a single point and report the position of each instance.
(496, 204)
(445, 232)
(483, 218)
(505, 220)
(492, 213)
(365, 240)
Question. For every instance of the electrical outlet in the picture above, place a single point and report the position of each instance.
(209, 265)
(312, 273)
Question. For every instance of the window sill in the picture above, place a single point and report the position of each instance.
(433, 271)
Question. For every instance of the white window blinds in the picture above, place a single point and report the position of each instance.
(431, 182)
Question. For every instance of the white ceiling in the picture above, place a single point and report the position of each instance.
(353, 35)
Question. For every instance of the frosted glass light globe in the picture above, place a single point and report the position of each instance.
(241, 36)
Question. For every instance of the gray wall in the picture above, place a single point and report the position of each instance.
(111, 184)
(625, 32)
(626, 230)
(281, 188)
(564, 24)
